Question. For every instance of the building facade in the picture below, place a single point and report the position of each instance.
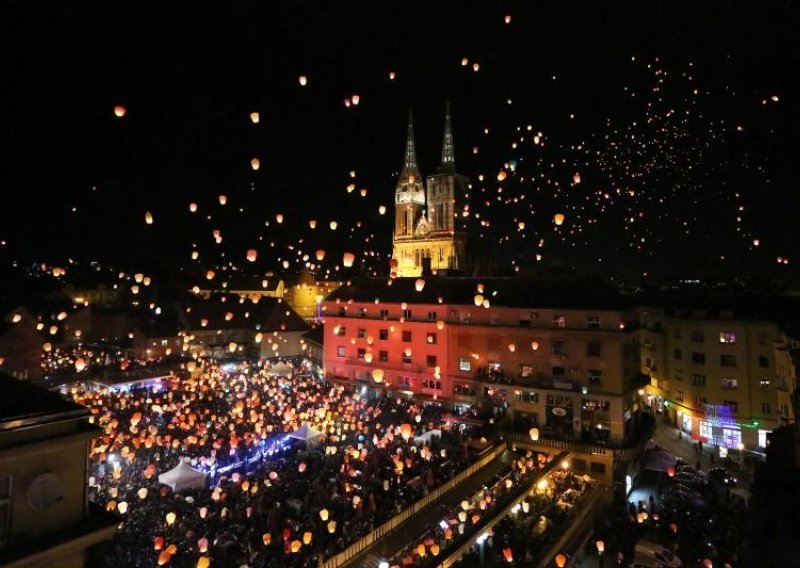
(721, 378)
(45, 517)
(427, 217)
(573, 372)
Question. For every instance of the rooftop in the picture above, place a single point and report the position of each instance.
(23, 404)
(510, 292)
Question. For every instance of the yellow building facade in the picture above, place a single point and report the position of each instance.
(426, 227)
(722, 380)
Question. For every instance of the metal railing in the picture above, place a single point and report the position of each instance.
(367, 540)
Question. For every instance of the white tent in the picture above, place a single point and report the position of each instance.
(428, 437)
(307, 434)
(183, 476)
(282, 369)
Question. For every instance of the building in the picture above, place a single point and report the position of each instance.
(307, 294)
(232, 325)
(560, 355)
(45, 516)
(724, 376)
(268, 286)
(20, 345)
(428, 219)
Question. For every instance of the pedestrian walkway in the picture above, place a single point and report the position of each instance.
(394, 541)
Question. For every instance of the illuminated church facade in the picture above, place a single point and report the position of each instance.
(429, 217)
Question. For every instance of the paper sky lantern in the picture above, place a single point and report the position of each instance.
(478, 300)
(193, 207)
(307, 537)
(210, 274)
(356, 99)
(303, 80)
(382, 209)
(163, 558)
(122, 507)
(203, 562)
(223, 199)
(377, 375)
(255, 163)
(576, 178)
(267, 538)
(251, 255)
(119, 111)
(558, 219)
(279, 218)
(348, 259)
(255, 117)
(333, 225)
(332, 527)
(419, 285)
(368, 357)
(80, 364)
(534, 434)
(534, 345)
(323, 514)
(501, 175)
(296, 546)
(560, 560)
(170, 518)
(148, 218)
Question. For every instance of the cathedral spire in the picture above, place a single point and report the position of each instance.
(448, 152)
(410, 164)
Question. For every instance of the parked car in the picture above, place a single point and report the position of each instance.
(692, 470)
(681, 500)
(722, 476)
(645, 561)
(680, 488)
(662, 554)
(691, 480)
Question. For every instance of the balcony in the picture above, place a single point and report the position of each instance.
(536, 380)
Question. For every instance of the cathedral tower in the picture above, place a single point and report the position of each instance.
(433, 233)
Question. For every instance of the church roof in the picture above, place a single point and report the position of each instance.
(410, 166)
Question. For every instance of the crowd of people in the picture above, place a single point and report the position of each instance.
(462, 521)
(528, 532)
(269, 500)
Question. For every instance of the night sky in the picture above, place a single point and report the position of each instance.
(673, 182)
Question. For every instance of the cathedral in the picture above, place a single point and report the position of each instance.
(429, 226)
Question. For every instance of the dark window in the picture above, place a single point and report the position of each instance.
(678, 354)
(732, 404)
(384, 313)
(406, 336)
(597, 467)
(559, 371)
(595, 377)
(407, 314)
(763, 361)
(362, 312)
(727, 360)
(383, 334)
(699, 380)
(593, 322)
(698, 336)
(362, 333)
(559, 348)
(698, 358)
(361, 352)
(342, 311)
(593, 349)
(432, 316)
(766, 408)
(383, 356)
(430, 360)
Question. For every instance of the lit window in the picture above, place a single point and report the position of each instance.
(406, 337)
(559, 320)
(464, 364)
(765, 384)
(729, 383)
(362, 333)
(592, 322)
(341, 351)
(431, 338)
(727, 337)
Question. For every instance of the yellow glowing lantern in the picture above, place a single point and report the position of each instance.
(203, 562)
(419, 284)
(332, 527)
(255, 163)
(348, 259)
(267, 539)
(558, 219)
(255, 117)
(80, 364)
(323, 514)
(251, 255)
(377, 375)
(164, 558)
(223, 199)
(307, 536)
(148, 218)
(296, 546)
(303, 80)
(171, 518)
